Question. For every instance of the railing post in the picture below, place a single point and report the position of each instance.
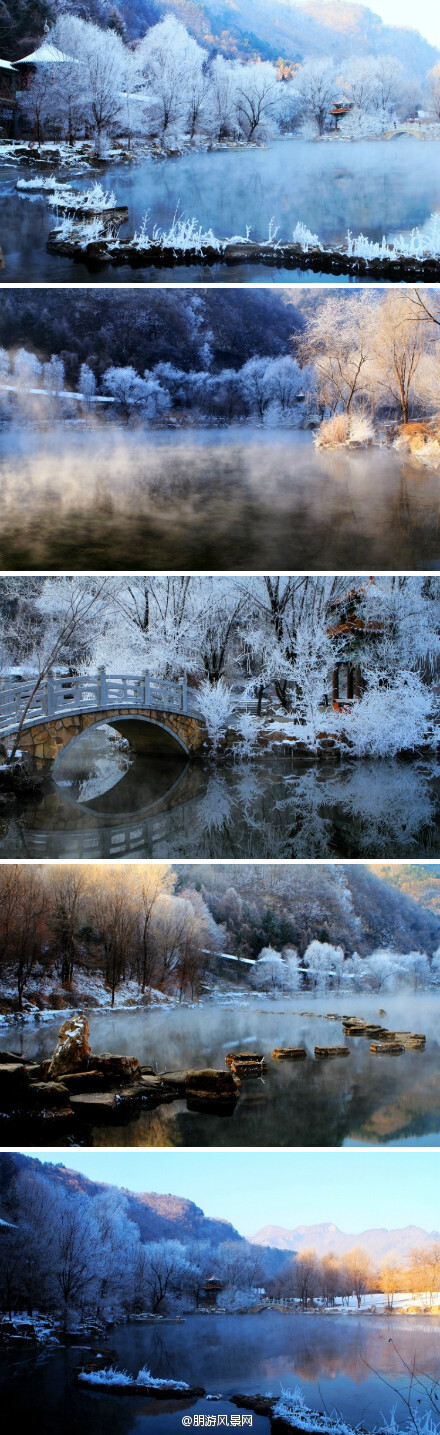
(147, 689)
(185, 695)
(50, 694)
(102, 694)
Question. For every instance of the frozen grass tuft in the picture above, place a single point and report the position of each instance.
(303, 236)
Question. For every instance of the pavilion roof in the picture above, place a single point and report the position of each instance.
(46, 54)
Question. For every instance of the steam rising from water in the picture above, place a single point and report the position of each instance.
(232, 498)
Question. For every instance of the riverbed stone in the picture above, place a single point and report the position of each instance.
(387, 1048)
(325, 1053)
(73, 1049)
(78, 1081)
(48, 1095)
(289, 1053)
(94, 1107)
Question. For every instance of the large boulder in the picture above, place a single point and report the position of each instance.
(73, 1049)
(117, 1070)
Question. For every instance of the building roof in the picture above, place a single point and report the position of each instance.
(45, 55)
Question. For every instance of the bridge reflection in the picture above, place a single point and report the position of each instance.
(128, 820)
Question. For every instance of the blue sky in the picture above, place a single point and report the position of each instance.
(355, 1190)
(425, 16)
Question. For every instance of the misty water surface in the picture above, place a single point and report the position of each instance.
(239, 498)
(357, 1100)
(374, 187)
(104, 801)
(324, 1355)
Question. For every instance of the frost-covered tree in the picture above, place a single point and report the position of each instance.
(434, 90)
(69, 607)
(317, 84)
(126, 386)
(223, 79)
(27, 370)
(256, 97)
(166, 1269)
(338, 340)
(87, 384)
(172, 64)
(269, 972)
(54, 376)
(324, 964)
(398, 342)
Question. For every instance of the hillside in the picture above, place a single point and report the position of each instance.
(381, 1244)
(239, 29)
(148, 327)
(159, 1217)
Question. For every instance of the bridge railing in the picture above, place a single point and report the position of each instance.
(61, 696)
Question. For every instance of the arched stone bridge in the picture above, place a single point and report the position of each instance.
(154, 714)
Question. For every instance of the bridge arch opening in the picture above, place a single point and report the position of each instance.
(145, 736)
(95, 770)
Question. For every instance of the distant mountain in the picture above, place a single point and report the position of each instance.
(239, 29)
(381, 1244)
(420, 881)
(270, 28)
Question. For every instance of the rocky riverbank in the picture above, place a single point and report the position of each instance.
(76, 1088)
(97, 251)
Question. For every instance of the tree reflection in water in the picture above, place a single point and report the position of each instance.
(325, 1355)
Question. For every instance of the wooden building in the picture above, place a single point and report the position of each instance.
(354, 631)
(8, 99)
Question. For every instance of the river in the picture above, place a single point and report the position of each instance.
(107, 801)
(371, 187)
(325, 1355)
(236, 498)
(360, 1100)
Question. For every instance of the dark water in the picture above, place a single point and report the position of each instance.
(324, 1355)
(235, 498)
(380, 187)
(106, 803)
(359, 1100)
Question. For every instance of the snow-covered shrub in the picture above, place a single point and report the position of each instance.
(389, 719)
(333, 431)
(247, 725)
(215, 702)
(291, 1408)
(184, 233)
(360, 429)
(360, 124)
